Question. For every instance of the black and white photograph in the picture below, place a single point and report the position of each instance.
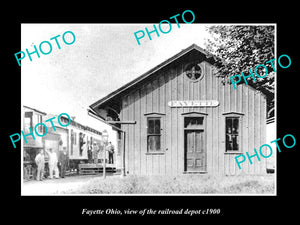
(163, 113)
(128, 109)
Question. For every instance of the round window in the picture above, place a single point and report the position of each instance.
(193, 72)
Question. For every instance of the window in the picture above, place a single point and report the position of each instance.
(41, 129)
(81, 143)
(153, 134)
(232, 133)
(72, 141)
(28, 121)
(193, 122)
(75, 138)
(193, 71)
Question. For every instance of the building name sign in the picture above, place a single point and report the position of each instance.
(194, 103)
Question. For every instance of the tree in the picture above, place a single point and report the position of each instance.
(240, 48)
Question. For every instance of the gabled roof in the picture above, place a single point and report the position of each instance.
(150, 72)
(37, 111)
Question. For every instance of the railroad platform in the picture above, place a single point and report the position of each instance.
(92, 168)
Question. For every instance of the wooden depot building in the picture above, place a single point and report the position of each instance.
(180, 118)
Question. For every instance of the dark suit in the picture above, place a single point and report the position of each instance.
(110, 149)
(63, 160)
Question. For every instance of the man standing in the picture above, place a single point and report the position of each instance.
(110, 149)
(52, 163)
(40, 162)
(95, 152)
(63, 160)
(90, 152)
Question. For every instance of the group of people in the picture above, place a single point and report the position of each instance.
(58, 165)
(54, 163)
(94, 150)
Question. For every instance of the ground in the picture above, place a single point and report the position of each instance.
(181, 184)
(54, 186)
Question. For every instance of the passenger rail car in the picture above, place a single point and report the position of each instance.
(78, 140)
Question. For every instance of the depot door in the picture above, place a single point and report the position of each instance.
(195, 154)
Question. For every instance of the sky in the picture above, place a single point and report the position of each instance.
(103, 58)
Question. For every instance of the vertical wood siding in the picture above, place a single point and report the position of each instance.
(170, 83)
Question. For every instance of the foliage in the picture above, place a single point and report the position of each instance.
(181, 184)
(240, 48)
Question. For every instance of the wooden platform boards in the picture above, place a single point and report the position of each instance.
(91, 168)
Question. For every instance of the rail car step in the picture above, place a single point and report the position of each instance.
(87, 169)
